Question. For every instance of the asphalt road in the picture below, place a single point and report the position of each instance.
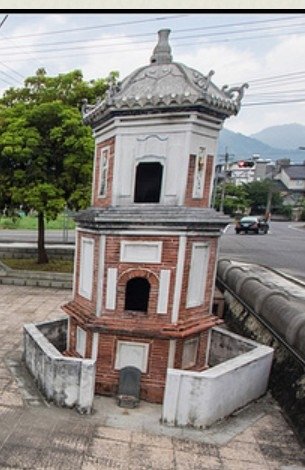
(30, 236)
(282, 248)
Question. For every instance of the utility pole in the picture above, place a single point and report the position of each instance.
(223, 188)
(268, 204)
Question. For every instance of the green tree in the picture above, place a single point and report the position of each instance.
(46, 151)
(70, 88)
(263, 196)
(235, 199)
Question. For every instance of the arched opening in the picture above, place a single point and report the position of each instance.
(137, 294)
(148, 182)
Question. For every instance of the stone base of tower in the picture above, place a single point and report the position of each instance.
(180, 346)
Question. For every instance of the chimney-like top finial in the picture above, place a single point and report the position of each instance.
(162, 53)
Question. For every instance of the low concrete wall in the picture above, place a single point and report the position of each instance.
(12, 250)
(199, 399)
(226, 346)
(67, 381)
(56, 332)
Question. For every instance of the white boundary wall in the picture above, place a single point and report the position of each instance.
(66, 381)
(199, 399)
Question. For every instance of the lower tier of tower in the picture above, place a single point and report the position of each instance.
(151, 352)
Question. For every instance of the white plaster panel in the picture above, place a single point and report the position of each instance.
(141, 252)
(132, 354)
(197, 275)
(179, 279)
(202, 136)
(100, 280)
(176, 161)
(151, 144)
(94, 351)
(112, 274)
(103, 155)
(86, 267)
(189, 354)
(94, 174)
(80, 341)
(171, 354)
(199, 174)
(163, 291)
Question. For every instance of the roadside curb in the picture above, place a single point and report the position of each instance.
(285, 275)
(17, 277)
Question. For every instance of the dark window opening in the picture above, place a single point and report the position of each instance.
(148, 182)
(137, 294)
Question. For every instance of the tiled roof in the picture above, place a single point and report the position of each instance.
(166, 84)
(295, 172)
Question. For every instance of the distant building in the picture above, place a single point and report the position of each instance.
(244, 170)
(291, 179)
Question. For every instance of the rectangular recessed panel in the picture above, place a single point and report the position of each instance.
(132, 354)
(163, 291)
(80, 341)
(141, 252)
(111, 288)
(86, 268)
(197, 276)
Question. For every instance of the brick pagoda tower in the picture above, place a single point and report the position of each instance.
(146, 249)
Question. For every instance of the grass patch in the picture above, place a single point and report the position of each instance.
(30, 264)
(30, 222)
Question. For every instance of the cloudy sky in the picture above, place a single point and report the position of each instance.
(264, 49)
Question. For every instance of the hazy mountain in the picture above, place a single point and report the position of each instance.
(242, 146)
(287, 136)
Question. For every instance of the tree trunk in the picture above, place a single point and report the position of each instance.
(42, 254)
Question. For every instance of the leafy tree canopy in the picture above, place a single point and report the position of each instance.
(258, 193)
(46, 152)
(70, 88)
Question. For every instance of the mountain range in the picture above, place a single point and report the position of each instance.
(272, 143)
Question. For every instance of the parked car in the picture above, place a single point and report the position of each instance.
(252, 223)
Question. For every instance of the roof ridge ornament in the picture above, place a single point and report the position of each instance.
(162, 53)
(236, 92)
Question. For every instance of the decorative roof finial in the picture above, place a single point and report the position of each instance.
(162, 53)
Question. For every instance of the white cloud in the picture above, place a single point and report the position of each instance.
(123, 60)
(230, 64)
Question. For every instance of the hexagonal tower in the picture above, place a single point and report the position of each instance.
(146, 249)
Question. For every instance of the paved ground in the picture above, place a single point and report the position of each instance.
(36, 435)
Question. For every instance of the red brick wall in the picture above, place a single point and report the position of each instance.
(205, 200)
(151, 272)
(201, 352)
(152, 382)
(72, 339)
(88, 306)
(104, 201)
(202, 310)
